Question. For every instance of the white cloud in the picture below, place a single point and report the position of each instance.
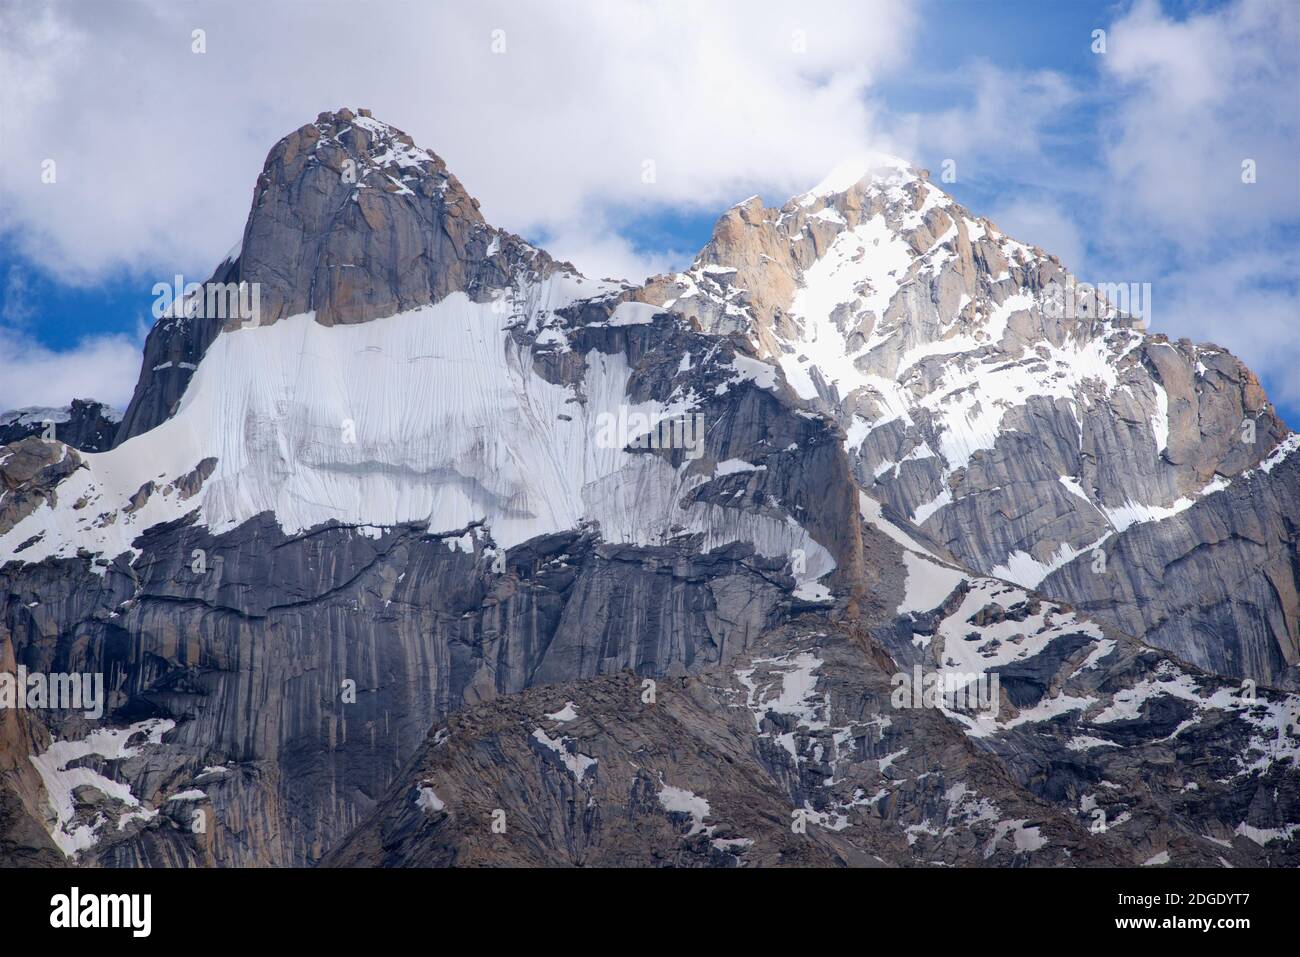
(1197, 97)
(157, 148)
(16, 307)
(604, 254)
(103, 367)
(1002, 126)
(1246, 302)
(99, 367)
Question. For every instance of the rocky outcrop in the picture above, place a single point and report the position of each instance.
(1217, 583)
(85, 424)
(172, 351)
(352, 221)
(692, 773)
(30, 472)
(24, 839)
(314, 692)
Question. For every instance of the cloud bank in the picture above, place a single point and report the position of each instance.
(547, 111)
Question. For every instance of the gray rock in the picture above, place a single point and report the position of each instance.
(1215, 584)
(85, 424)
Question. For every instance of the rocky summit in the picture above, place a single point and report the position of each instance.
(873, 538)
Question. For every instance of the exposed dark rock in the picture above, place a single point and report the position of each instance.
(86, 425)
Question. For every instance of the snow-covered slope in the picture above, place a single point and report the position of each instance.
(409, 363)
(434, 416)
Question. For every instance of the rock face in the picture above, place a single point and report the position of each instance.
(313, 695)
(350, 221)
(1020, 419)
(85, 424)
(30, 472)
(796, 754)
(1225, 566)
(448, 555)
(172, 351)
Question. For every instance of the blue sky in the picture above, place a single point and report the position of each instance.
(1125, 163)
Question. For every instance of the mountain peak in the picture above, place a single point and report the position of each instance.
(350, 221)
(747, 277)
(864, 169)
(353, 221)
(370, 153)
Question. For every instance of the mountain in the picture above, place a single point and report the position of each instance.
(1022, 437)
(443, 553)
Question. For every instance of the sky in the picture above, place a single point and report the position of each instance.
(130, 143)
